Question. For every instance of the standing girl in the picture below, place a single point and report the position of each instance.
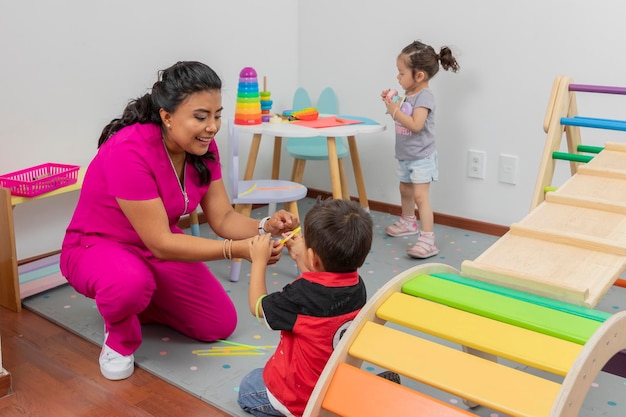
(414, 117)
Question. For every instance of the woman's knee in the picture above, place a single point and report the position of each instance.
(124, 296)
(212, 327)
(125, 283)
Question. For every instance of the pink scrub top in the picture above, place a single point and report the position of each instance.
(133, 164)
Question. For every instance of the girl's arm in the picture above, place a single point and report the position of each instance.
(414, 122)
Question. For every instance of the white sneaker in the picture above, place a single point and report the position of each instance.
(115, 366)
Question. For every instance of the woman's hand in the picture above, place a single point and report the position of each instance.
(281, 222)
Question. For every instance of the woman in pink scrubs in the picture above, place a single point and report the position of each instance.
(123, 247)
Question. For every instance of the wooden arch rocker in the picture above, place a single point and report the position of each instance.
(404, 328)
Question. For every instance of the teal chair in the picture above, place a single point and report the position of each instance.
(315, 148)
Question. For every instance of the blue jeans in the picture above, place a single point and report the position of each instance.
(253, 396)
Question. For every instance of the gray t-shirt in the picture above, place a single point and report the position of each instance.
(416, 145)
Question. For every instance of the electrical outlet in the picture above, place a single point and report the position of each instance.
(507, 171)
(476, 161)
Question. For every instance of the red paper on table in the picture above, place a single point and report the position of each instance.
(327, 122)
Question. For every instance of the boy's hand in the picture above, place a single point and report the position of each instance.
(295, 246)
(276, 250)
(260, 249)
(297, 251)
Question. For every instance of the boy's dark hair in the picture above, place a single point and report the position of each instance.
(340, 232)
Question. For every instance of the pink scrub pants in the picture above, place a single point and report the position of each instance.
(130, 287)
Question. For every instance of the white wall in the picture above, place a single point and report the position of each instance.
(69, 67)
(509, 52)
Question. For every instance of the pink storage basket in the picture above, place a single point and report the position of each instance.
(31, 182)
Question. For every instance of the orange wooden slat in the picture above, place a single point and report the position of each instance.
(354, 392)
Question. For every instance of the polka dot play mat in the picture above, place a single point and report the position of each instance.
(212, 371)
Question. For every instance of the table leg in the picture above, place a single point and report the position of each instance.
(297, 171)
(252, 156)
(333, 162)
(9, 280)
(358, 173)
(278, 141)
(345, 191)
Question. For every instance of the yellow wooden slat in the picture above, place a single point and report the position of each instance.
(505, 389)
(491, 336)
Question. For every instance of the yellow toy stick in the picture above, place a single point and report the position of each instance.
(231, 349)
(231, 354)
(286, 238)
(228, 342)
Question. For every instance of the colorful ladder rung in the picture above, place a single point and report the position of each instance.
(588, 88)
(593, 122)
(549, 188)
(589, 148)
(574, 157)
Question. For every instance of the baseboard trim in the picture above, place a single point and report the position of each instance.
(5, 383)
(443, 219)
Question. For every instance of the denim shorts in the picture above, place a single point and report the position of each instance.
(253, 395)
(419, 171)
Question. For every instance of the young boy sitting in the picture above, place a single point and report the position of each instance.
(312, 312)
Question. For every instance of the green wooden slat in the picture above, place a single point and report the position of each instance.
(500, 307)
(581, 311)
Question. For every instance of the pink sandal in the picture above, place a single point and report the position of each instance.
(423, 248)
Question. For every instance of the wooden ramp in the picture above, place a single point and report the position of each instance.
(572, 246)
